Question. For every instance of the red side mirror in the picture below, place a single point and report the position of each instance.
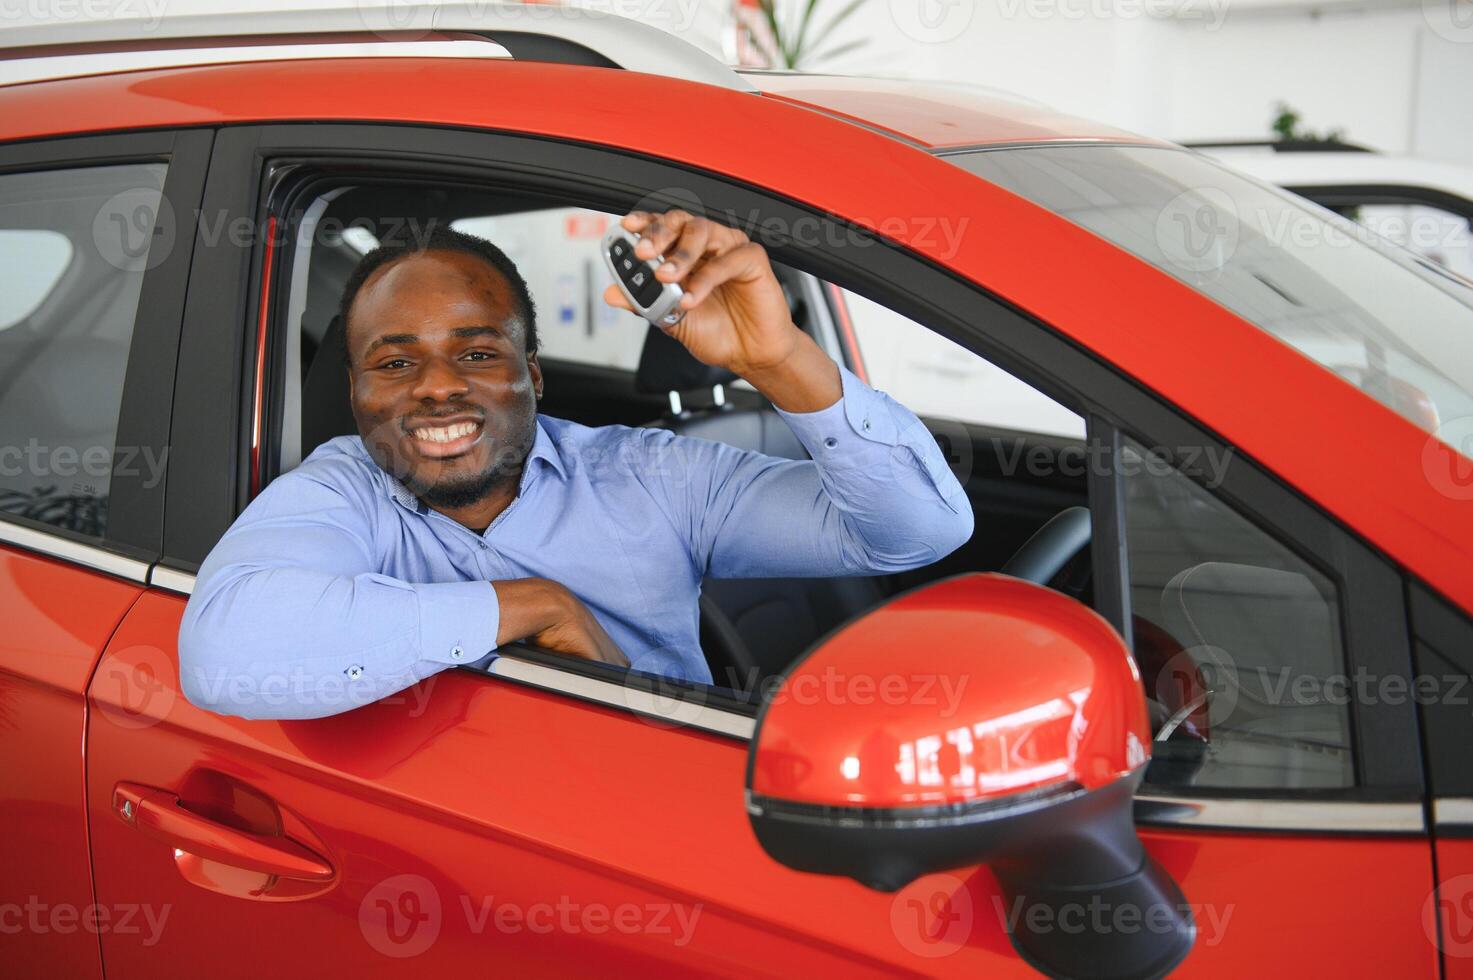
(978, 719)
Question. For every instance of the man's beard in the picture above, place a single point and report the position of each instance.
(505, 469)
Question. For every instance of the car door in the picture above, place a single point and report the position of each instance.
(90, 243)
(541, 817)
(1443, 641)
(549, 816)
(1433, 223)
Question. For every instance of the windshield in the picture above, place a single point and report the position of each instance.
(1396, 326)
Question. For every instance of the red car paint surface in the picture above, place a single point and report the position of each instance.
(58, 619)
(1074, 717)
(435, 815)
(937, 115)
(472, 796)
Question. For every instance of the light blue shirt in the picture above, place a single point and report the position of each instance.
(337, 587)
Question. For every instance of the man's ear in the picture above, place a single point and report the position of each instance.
(535, 370)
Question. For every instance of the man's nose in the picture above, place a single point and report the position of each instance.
(439, 380)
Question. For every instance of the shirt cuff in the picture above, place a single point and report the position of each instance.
(860, 421)
(458, 621)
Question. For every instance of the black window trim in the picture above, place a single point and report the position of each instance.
(133, 537)
(1354, 195)
(1386, 736)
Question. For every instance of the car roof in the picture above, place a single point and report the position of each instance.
(928, 114)
(935, 114)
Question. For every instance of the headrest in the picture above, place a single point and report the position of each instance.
(326, 408)
(1264, 617)
(665, 365)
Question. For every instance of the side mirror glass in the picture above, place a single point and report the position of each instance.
(1001, 723)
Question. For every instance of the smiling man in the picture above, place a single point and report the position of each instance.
(459, 519)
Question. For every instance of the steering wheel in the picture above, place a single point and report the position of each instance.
(1052, 547)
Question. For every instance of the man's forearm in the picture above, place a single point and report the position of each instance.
(805, 381)
(550, 615)
(528, 607)
(294, 642)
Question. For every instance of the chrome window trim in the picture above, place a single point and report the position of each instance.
(1298, 816)
(663, 711)
(86, 555)
(1453, 811)
(163, 577)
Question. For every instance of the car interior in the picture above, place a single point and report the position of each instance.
(605, 366)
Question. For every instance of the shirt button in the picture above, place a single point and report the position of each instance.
(456, 653)
(354, 672)
(865, 425)
(831, 442)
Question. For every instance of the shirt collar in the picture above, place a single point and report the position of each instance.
(543, 448)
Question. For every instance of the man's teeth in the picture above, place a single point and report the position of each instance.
(447, 433)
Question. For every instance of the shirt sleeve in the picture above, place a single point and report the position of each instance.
(877, 497)
(289, 619)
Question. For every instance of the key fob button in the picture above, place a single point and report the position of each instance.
(649, 293)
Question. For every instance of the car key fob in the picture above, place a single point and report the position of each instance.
(658, 302)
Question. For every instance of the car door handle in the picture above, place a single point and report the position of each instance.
(158, 814)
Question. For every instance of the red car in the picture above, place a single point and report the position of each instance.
(1217, 604)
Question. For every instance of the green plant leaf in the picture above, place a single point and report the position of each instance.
(798, 45)
(843, 15)
(844, 48)
(769, 13)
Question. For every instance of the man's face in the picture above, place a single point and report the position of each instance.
(443, 391)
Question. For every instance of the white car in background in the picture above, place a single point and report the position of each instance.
(1421, 205)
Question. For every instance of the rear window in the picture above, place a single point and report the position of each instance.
(31, 263)
(1393, 323)
(74, 247)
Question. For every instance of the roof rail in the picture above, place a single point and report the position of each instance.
(528, 31)
(1281, 146)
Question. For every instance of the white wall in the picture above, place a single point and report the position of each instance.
(1396, 78)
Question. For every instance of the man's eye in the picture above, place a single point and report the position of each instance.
(394, 364)
(480, 355)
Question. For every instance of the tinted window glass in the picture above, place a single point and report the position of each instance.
(31, 262)
(1391, 322)
(1238, 639)
(75, 245)
(1432, 232)
(939, 379)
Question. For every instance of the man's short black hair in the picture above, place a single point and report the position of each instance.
(443, 238)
